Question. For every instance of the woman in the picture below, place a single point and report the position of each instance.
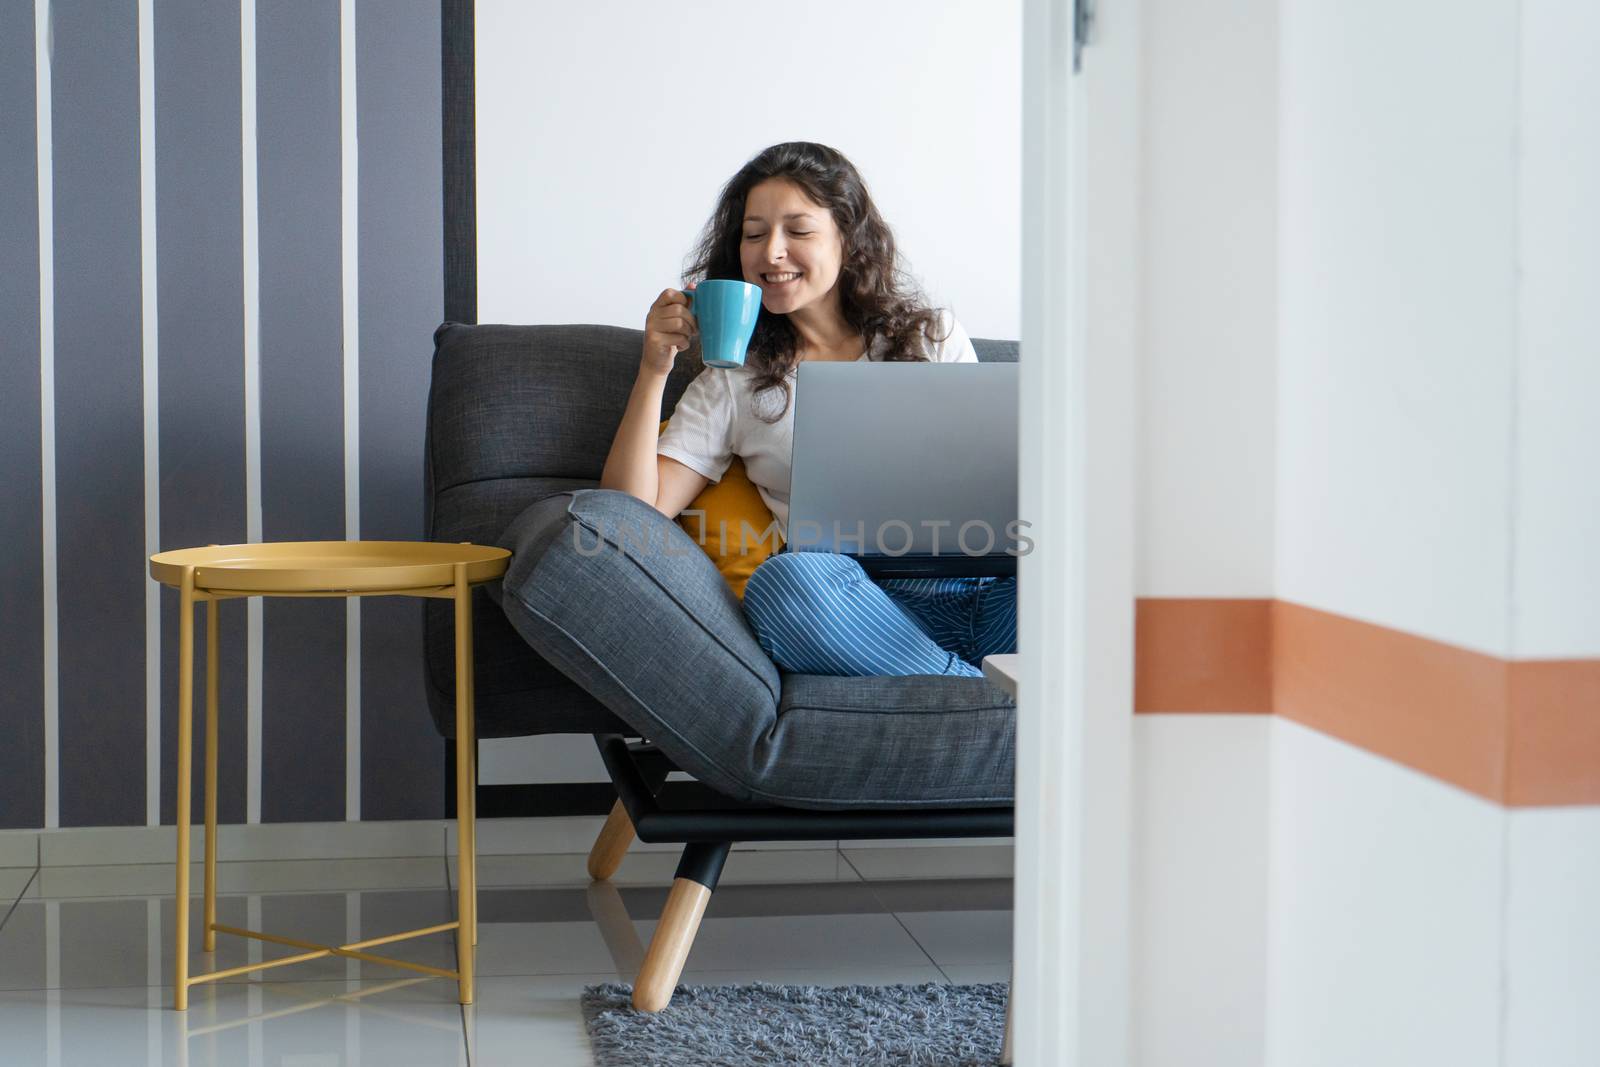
(798, 222)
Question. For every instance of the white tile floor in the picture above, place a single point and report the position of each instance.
(86, 952)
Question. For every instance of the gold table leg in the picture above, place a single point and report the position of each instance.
(208, 941)
(180, 963)
(466, 889)
(472, 793)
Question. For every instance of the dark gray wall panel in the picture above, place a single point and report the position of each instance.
(99, 413)
(22, 576)
(99, 416)
(402, 300)
(460, 133)
(200, 254)
(302, 399)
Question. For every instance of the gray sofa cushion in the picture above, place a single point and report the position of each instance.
(626, 604)
(513, 683)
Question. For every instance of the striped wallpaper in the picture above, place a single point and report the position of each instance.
(217, 317)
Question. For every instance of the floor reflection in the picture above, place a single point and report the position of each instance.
(87, 979)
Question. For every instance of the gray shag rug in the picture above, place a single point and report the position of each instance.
(913, 1025)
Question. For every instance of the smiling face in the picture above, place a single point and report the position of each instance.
(790, 247)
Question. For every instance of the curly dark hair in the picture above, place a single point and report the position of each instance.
(878, 298)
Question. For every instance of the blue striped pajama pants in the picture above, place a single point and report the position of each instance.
(819, 613)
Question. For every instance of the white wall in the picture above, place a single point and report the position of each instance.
(1553, 939)
(1553, 856)
(1421, 220)
(1206, 401)
(1387, 897)
(1209, 226)
(1206, 406)
(1397, 314)
(1200, 889)
(607, 128)
(1557, 505)
(1438, 372)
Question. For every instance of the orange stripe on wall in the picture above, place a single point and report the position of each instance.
(1433, 707)
(1555, 733)
(1519, 733)
(1203, 655)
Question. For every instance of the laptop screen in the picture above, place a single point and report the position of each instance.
(910, 467)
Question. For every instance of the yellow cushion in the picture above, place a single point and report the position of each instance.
(733, 509)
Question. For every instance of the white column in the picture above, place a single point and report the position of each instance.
(1079, 348)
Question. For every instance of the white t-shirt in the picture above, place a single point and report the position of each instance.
(718, 418)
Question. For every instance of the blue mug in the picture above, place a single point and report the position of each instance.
(725, 312)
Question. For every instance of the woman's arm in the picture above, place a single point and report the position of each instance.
(676, 486)
(632, 465)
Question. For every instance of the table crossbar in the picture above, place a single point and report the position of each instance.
(350, 951)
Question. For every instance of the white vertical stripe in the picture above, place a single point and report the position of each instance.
(52, 973)
(152, 412)
(152, 944)
(252, 400)
(352, 399)
(352, 934)
(47, 407)
(253, 920)
(352, 974)
(156, 988)
(255, 1040)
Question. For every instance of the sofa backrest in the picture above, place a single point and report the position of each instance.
(530, 402)
(534, 408)
(990, 351)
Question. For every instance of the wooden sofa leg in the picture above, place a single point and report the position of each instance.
(612, 844)
(680, 921)
(669, 948)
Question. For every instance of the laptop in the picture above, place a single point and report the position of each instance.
(909, 467)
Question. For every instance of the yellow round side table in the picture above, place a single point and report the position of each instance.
(321, 569)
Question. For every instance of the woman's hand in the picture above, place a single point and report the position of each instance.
(669, 328)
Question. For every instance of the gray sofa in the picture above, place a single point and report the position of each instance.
(612, 621)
